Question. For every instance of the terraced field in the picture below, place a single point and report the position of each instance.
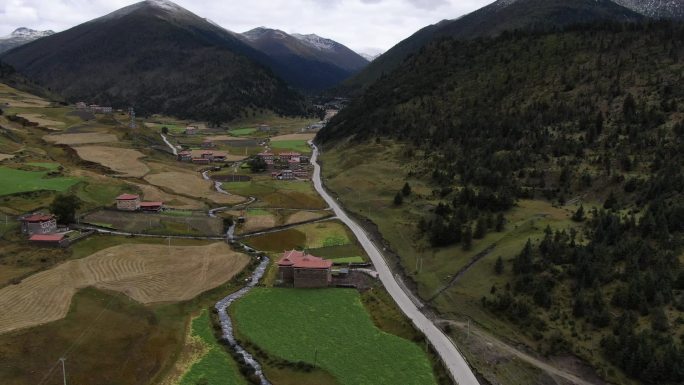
(146, 273)
(121, 160)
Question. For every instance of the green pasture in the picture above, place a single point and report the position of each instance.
(330, 329)
(18, 181)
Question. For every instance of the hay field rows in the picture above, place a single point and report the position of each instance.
(191, 184)
(146, 273)
(122, 160)
(85, 138)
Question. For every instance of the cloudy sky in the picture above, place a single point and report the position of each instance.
(363, 25)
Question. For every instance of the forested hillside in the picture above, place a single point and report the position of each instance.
(592, 114)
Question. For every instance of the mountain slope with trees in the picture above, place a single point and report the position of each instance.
(500, 16)
(594, 113)
(159, 58)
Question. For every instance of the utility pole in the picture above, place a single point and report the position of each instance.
(62, 359)
(131, 113)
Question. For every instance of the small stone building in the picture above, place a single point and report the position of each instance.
(128, 202)
(302, 270)
(39, 224)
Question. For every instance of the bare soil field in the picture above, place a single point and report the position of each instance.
(42, 121)
(303, 136)
(122, 160)
(85, 138)
(192, 184)
(155, 194)
(146, 273)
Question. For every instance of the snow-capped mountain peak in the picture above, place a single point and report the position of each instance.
(28, 34)
(258, 32)
(165, 5)
(655, 8)
(316, 41)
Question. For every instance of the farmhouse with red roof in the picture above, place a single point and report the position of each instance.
(54, 240)
(39, 223)
(303, 270)
(128, 202)
(131, 202)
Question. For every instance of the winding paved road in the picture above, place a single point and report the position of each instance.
(454, 361)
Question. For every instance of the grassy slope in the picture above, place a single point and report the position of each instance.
(216, 367)
(371, 197)
(339, 336)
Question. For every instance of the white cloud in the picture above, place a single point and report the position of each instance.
(359, 24)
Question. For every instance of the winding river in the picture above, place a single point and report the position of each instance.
(227, 325)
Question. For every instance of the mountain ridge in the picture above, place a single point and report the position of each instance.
(160, 58)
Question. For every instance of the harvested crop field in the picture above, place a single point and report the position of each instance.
(122, 160)
(191, 184)
(85, 138)
(146, 273)
(42, 121)
(278, 242)
(255, 221)
(155, 194)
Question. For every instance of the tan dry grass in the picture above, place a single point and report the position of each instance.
(16, 98)
(193, 351)
(87, 138)
(191, 184)
(303, 216)
(154, 194)
(146, 273)
(121, 160)
(42, 121)
(304, 136)
(5, 157)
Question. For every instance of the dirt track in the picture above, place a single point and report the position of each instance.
(146, 273)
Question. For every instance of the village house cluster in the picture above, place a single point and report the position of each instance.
(132, 202)
(94, 108)
(202, 157)
(286, 165)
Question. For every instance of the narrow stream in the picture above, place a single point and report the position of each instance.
(227, 325)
